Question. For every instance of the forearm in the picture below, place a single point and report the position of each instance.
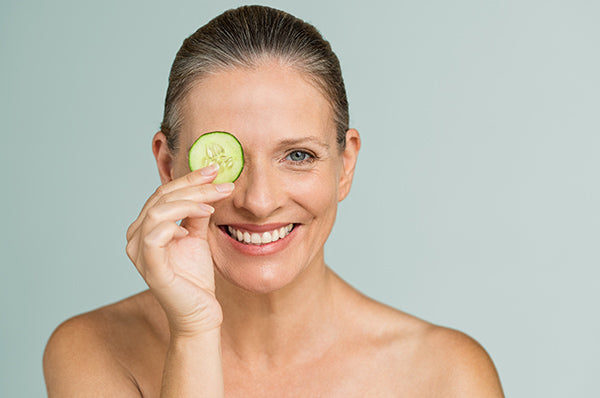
(193, 367)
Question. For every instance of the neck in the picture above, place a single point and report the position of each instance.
(290, 324)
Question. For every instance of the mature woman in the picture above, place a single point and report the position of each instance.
(240, 300)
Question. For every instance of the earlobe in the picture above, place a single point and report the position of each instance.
(163, 156)
(349, 157)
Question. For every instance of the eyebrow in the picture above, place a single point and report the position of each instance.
(303, 140)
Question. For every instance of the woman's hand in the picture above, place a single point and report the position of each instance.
(176, 262)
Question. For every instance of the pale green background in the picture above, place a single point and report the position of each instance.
(475, 203)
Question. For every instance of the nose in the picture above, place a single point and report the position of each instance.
(258, 191)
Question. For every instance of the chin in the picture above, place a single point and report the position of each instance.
(260, 268)
(262, 278)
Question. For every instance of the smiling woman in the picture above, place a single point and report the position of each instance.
(240, 300)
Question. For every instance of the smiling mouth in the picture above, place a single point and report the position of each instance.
(254, 238)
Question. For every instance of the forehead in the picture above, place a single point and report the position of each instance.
(269, 103)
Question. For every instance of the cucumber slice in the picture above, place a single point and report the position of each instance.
(218, 147)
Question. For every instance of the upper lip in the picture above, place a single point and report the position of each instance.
(257, 228)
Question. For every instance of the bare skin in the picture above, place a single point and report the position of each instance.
(120, 350)
(222, 318)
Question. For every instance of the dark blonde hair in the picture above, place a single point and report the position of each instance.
(244, 37)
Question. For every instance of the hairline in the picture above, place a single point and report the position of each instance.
(256, 62)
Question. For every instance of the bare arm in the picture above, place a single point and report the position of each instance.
(79, 361)
(176, 263)
(193, 367)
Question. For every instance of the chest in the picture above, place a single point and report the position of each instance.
(349, 379)
(344, 376)
(370, 379)
(368, 373)
(316, 382)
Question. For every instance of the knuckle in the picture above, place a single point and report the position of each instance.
(201, 193)
(160, 190)
(206, 188)
(152, 214)
(129, 250)
(129, 232)
(189, 178)
(130, 256)
(148, 241)
(163, 198)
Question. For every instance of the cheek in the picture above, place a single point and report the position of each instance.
(315, 191)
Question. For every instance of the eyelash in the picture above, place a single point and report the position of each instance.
(309, 158)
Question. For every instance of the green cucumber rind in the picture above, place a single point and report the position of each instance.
(232, 147)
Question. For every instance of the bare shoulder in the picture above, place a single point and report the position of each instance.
(93, 354)
(463, 367)
(421, 359)
(449, 362)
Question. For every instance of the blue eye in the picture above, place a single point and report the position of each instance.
(298, 156)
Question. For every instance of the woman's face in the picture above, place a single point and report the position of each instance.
(294, 173)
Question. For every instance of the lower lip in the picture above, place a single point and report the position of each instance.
(261, 250)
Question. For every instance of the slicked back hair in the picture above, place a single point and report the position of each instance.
(244, 38)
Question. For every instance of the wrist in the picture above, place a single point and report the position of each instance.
(188, 335)
(193, 364)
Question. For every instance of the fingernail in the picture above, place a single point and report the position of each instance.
(226, 187)
(207, 208)
(210, 169)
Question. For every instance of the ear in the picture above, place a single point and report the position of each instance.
(349, 157)
(163, 156)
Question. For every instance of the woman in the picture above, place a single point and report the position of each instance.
(240, 300)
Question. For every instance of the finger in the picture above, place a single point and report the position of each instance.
(174, 211)
(134, 255)
(203, 193)
(206, 193)
(198, 194)
(156, 272)
(132, 252)
(197, 177)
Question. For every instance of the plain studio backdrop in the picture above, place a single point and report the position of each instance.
(474, 206)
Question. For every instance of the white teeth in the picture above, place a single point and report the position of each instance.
(266, 238)
(260, 239)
